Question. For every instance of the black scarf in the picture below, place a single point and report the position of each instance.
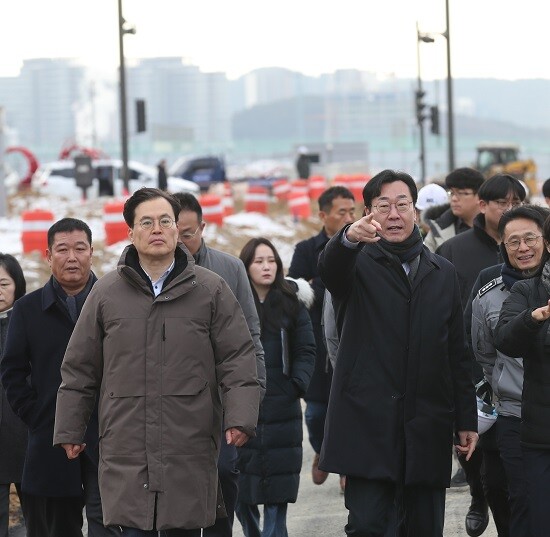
(407, 250)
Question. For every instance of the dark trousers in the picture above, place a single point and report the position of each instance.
(229, 480)
(420, 510)
(62, 516)
(509, 446)
(53, 517)
(274, 519)
(537, 471)
(134, 532)
(487, 479)
(316, 413)
(5, 507)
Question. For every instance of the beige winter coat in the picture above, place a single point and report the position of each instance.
(156, 365)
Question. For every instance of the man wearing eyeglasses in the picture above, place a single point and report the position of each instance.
(232, 270)
(402, 379)
(470, 252)
(164, 346)
(448, 220)
(522, 249)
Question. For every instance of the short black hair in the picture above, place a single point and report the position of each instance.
(188, 202)
(374, 187)
(546, 188)
(465, 178)
(499, 186)
(147, 194)
(13, 268)
(330, 194)
(66, 225)
(536, 213)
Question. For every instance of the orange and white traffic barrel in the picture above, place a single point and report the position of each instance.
(281, 188)
(228, 201)
(34, 235)
(317, 184)
(212, 209)
(256, 199)
(116, 229)
(298, 204)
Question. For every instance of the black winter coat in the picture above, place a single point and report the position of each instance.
(304, 265)
(402, 375)
(518, 335)
(270, 463)
(470, 252)
(13, 432)
(38, 334)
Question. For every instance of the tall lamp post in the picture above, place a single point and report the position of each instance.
(420, 103)
(450, 122)
(123, 116)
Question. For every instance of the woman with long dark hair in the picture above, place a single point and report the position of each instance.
(270, 463)
(13, 433)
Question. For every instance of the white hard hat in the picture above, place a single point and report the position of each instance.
(431, 195)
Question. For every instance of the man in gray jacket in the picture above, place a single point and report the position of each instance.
(522, 248)
(232, 270)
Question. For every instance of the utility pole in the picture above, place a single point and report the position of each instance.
(450, 119)
(123, 115)
(420, 105)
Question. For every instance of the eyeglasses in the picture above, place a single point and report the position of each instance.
(529, 241)
(384, 207)
(187, 236)
(460, 193)
(504, 204)
(148, 224)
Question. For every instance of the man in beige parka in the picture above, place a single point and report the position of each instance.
(154, 342)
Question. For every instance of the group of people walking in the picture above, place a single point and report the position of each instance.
(165, 396)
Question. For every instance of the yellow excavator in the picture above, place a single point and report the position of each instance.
(495, 157)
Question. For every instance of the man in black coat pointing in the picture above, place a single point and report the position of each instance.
(402, 381)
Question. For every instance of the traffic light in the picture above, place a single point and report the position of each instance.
(140, 115)
(434, 116)
(420, 105)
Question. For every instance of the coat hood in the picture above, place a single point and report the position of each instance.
(435, 211)
(304, 291)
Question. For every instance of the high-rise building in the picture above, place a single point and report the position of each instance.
(185, 108)
(49, 94)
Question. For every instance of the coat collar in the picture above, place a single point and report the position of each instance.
(320, 239)
(49, 295)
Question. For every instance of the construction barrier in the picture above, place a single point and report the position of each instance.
(228, 202)
(116, 229)
(300, 185)
(281, 188)
(212, 209)
(256, 199)
(298, 204)
(317, 184)
(34, 235)
(356, 183)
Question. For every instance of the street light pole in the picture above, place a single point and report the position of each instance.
(419, 116)
(425, 38)
(122, 77)
(450, 122)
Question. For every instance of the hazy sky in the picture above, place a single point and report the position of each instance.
(489, 38)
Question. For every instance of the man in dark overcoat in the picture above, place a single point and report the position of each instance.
(55, 489)
(402, 379)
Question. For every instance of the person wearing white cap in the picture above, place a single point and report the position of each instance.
(429, 196)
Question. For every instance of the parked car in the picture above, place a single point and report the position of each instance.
(204, 171)
(58, 178)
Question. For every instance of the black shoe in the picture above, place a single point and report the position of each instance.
(459, 479)
(477, 519)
